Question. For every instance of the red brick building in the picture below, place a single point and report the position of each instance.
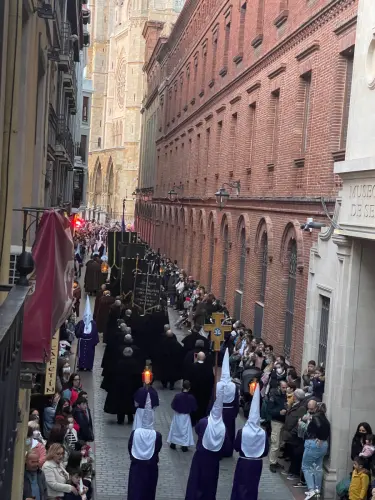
(257, 92)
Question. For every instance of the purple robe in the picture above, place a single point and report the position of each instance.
(204, 470)
(143, 474)
(184, 403)
(247, 475)
(86, 345)
(141, 395)
(230, 412)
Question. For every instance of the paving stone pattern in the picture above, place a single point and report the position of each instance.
(112, 457)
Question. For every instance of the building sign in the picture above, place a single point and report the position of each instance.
(51, 367)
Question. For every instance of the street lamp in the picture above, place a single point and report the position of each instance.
(222, 196)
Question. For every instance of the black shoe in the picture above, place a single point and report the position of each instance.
(172, 446)
(273, 468)
(184, 448)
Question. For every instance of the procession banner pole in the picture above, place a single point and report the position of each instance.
(135, 278)
(148, 274)
(216, 369)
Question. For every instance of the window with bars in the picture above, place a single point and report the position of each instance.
(290, 298)
(211, 257)
(325, 303)
(200, 250)
(224, 268)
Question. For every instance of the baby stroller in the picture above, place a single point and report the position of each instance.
(249, 375)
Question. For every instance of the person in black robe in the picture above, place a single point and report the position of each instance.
(116, 312)
(191, 357)
(171, 360)
(93, 276)
(189, 341)
(126, 378)
(114, 352)
(201, 378)
(105, 302)
(99, 295)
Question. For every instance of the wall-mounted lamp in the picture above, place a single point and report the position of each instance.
(172, 194)
(222, 196)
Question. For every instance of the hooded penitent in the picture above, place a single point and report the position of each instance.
(87, 316)
(253, 436)
(226, 380)
(214, 434)
(144, 438)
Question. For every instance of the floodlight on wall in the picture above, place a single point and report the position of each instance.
(222, 196)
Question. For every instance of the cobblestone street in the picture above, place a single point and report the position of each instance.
(112, 457)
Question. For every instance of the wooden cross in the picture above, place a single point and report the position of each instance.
(217, 330)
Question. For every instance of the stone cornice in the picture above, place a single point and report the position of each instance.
(308, 29)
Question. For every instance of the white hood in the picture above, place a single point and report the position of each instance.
(87, 316)
(214, 434)
(144, 437)
(226, 380)
(253, 436)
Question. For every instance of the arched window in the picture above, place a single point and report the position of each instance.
(211, 257)
(191, 250)
(241, 277)
(290, 298)
(264, 261)
(224, 268)
(259, 305)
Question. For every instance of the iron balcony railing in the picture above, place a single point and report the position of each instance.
(66, 44)
(11, 314)
(52, 128)
(64, 137)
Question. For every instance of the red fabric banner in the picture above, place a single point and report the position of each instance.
(50, 300)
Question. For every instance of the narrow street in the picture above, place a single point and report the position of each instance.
(112, 457)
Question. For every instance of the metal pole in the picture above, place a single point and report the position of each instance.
(148, 274)
(24, 230)
(123, 220)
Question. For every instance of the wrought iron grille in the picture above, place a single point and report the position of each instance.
(291, 293)
(211, 257)
(224, 269)
(323, 334)
(241, 278)
(263, 278)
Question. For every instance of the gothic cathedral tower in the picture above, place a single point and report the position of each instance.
(116, 59)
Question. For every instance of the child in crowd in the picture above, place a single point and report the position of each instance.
(360, 481)
(75, 479)
(369, 447)
(71, 436)
(181, 432)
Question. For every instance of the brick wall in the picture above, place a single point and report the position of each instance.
(265, 86)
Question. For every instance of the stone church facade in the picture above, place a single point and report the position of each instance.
(116, 59)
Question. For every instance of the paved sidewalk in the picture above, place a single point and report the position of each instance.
(112, 457)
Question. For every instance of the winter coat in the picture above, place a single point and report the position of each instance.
(292, 417)
(41, 483)
(56, 479)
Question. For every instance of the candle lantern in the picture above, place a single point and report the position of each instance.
(104, 268)
(252, 386)
(147, 376)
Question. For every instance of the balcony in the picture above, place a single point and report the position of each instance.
(11, 313)
(64, 142)
(52, 132)
(86, 39)
(66, 52)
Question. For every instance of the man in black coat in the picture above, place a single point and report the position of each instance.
(125, 380)
(189, 341)
(191, 357)
(171, 360)
(201, 378)
(277, 405)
